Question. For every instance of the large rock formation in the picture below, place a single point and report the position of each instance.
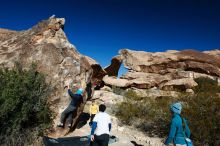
(166, 71)
(47, 45)
(171, 68)
(168, 62)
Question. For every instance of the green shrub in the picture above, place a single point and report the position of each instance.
(153, 116)
(149, 115)
(206, 85)
(203, 112)
(118, 90)
(24, 113)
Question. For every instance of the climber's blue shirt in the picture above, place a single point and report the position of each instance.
(176, 131)
(76, 98)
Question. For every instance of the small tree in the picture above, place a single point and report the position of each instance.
(25, 112)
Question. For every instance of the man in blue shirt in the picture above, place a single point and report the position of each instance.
(68, 112)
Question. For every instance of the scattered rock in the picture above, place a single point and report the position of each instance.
(180, 84)
(106, 88)
(155, 93)
(190, 91)
(113, 81)
(107, 97)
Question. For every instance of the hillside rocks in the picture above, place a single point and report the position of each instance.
(185, 83)
(165, 62)
(107, 97)
(116, 82)
(144, 80)
(167, 70)
(155, 93)
(5, 33)
(47, 45)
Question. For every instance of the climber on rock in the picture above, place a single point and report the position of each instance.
(77, 98)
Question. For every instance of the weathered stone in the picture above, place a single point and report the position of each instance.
(180, 84)
(190, 91)
(164, 62)
(107, 97)
(106, 88)
(155, 93)
(215, 52)
(98, 72)
(113, 81)
(47, 45)
(146, 80)
(160, 69)
(112, 70)
(5, 34)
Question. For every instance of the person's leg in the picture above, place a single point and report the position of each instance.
(103, 140)
(68, 110)
(96, 141)
(69, 119)
(91, 119)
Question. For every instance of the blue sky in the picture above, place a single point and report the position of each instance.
(99, 28)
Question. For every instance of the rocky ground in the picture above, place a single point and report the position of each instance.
(126, 135)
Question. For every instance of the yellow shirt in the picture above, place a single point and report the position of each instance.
(93, 109)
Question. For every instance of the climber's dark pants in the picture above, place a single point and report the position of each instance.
(68, 114)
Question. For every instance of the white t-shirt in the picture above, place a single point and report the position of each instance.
(103, 120)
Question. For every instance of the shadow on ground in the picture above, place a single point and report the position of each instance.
(73, 141)
(135, 144)
(67, 141)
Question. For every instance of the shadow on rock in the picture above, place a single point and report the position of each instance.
(67, 141)
(83, 118)
(135, 144)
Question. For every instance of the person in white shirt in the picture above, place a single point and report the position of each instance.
(101, 127)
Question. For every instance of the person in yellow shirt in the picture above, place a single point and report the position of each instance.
(93, 110)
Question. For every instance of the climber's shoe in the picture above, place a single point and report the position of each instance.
(60, 125)
(69, 125)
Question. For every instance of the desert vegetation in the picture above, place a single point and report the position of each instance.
(25, 113)
(153, 115)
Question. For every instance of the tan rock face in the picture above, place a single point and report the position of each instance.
(146, 80)
(163, 62)
(171, 69)
(47, 45)
(116, 82)
(155, 93)
(185, 83)
(5, 33)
